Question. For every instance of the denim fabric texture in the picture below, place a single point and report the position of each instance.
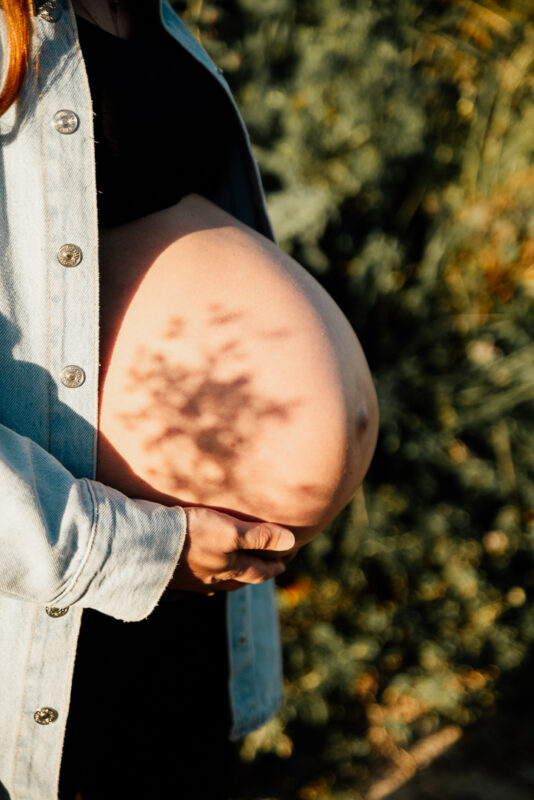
(67, 541)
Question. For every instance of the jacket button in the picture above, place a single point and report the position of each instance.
(72, 376)
(44, 716)
(50, 10)
(56, 612)
(66, 121)
(69, 255)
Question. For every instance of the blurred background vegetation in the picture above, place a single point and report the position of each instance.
(396, 140)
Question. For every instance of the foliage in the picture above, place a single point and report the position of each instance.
(396, 143)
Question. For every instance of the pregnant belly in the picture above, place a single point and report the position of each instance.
(229, 377)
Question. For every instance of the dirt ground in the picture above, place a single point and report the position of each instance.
(492, 760)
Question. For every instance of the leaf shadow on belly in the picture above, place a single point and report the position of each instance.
(210, 429)
(216, 416)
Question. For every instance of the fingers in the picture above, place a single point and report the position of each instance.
(252, 569)
(264, 536)
(217, 555)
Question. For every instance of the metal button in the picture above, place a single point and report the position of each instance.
(44, 716)
(69, 255)
(72, 376)
(243, 639)
(50, 10)
(56, 612)
(66, 121)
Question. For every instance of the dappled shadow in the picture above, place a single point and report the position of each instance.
(203, 421)
(221, 418)
(218, 388)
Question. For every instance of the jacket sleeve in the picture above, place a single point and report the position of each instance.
(66, 541)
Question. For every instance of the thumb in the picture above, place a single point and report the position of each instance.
(265, 536)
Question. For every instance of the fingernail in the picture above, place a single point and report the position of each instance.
(286, 541)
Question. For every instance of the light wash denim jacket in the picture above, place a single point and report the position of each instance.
(66, 541)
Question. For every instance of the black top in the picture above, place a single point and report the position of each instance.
(159, 687)
(161, 122)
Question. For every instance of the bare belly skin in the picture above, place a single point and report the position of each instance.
(229, 377)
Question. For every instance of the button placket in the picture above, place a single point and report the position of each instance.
(69, 255)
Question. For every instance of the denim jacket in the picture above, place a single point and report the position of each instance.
(67, 542)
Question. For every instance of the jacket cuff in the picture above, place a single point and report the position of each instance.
(131, 556)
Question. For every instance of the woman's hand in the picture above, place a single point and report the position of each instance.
(217, 552)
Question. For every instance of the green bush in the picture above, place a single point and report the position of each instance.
(396, 144)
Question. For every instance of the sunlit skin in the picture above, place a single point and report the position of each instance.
(224, 423)
(217, 552)
(229, 378)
